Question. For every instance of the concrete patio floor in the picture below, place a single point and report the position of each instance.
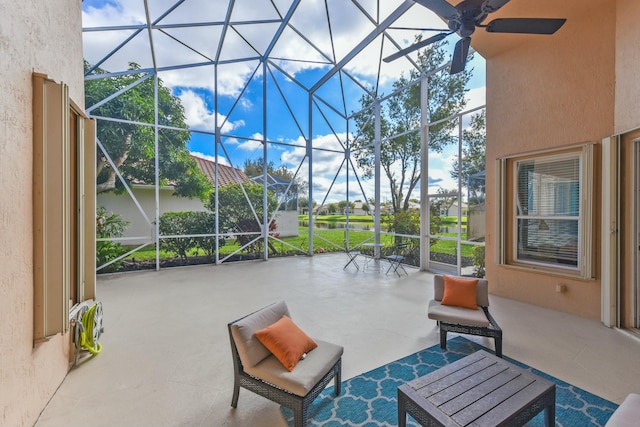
(166, 359)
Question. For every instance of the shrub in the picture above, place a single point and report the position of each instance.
(176, 224)
(236, 215)
(188, 223)
(204, 223)
(478, 261)
(109, 225)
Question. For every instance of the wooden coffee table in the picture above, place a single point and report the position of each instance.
(478, 390)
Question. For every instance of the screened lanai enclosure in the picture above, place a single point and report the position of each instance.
(248, 129)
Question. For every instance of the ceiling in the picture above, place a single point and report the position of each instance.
(490, 45)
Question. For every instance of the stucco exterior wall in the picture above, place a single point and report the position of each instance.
(627, 65)
(43, 37)
(549, 92)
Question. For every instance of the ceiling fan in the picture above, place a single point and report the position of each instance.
(466, 16)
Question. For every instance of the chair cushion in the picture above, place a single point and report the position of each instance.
(286, 341)
(307, 374)
(456, 315)
(460, 292)
(250, 349)
(482, 290)
(627, 414)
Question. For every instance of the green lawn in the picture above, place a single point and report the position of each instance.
(325, 240)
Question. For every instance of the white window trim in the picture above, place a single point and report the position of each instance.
(585, 268)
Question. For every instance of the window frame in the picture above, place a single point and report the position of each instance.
(509, 217)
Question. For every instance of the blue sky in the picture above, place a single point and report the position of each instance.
(240, 105)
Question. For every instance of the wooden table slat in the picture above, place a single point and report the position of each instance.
(446, 370)
(454, 378)
(491, 400)
(453, 391)
(518, 400)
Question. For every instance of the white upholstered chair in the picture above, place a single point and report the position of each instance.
(627, 414)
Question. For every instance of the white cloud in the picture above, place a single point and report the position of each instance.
(476, 97)
(199, 117)
(252, 144)
(168, 52)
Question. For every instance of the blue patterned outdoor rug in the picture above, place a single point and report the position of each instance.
(369, 399)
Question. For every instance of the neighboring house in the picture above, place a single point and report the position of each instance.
(140, 210)
(453, 210)
(226, 174)
(358, 209)
(140, 213)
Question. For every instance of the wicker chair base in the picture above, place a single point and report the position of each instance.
(492, 331)
(298, 404)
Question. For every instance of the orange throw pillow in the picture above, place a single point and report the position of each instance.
(286, 341)
(460, 292)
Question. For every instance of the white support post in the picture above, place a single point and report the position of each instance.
(377, 142)
(265, 162)
(157, 170)
(309, 148)
(425, 209)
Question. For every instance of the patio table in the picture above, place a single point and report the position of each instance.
(375, 247)
(478, 390)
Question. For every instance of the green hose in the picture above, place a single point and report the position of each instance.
(87, 340)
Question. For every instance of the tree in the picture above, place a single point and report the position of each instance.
(400, 153)
(473, 158)
(131, 146)
(303, 202)
(235, 214)
(342, 205)
(279, 181)
(253, 168)
(444, 201)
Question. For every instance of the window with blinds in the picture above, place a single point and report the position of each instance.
(548, 210)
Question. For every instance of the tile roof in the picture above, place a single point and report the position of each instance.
(226, 174)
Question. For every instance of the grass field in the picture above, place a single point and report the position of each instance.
(324, 240)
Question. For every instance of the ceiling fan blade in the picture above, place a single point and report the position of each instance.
(525, 25)
(491, 6)
(460, 53)
(441, 7)
(416, 46)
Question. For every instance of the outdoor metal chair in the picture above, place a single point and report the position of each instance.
(398, 254)
(352, 254)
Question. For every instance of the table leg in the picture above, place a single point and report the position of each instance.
(402, 411)
(550, 416)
